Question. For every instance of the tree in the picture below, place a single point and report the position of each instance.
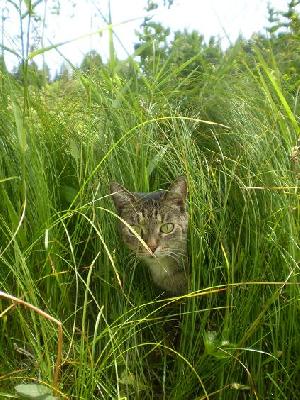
(63, 74)
(285, 19)
(186, 46)
(152, 43)
(30, 73)
(189, 49)
(152, 39)
(91, 63)
(284, 32)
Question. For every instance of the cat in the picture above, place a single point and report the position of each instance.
(160, 219)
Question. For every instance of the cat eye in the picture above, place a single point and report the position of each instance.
(167, 228)
(137, 230)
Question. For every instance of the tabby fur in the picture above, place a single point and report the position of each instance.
(155, 229)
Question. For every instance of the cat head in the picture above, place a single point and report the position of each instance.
(158, 218)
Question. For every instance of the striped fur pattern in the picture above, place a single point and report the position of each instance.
(156, 231)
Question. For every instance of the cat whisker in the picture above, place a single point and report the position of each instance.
(176, 254)
(175, 257)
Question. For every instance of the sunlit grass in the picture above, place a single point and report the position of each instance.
(236, 335)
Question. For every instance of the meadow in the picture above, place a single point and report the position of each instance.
(229, 130)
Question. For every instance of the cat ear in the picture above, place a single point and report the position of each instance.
(121, 196)
(177, 192)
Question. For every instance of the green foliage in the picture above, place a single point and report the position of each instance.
(191, 47)
(30, 74)
(285, 32)
(3, 67)
(152, 44)
(91, 63)
(285, 19)
(226, 121)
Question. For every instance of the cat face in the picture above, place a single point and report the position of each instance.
(158, 218)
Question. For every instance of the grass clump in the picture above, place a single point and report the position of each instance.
(236, 334)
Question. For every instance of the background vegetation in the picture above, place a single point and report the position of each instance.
(225, 119)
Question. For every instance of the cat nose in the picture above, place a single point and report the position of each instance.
(152, 246)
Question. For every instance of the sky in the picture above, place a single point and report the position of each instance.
(226, 19)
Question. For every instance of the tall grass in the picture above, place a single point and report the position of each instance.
(236, 334)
